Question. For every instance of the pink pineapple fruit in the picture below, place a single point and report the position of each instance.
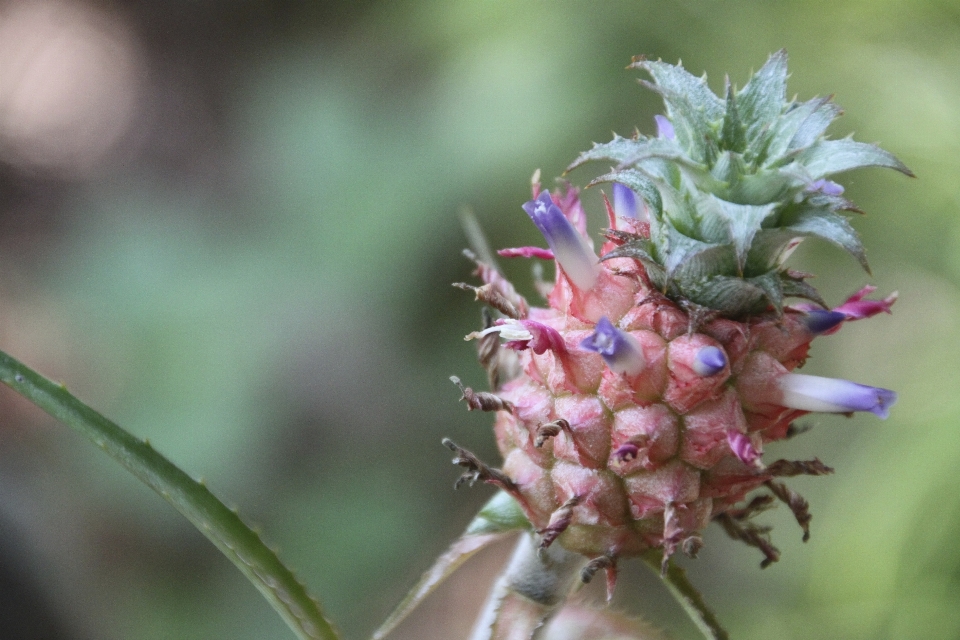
(634, 409)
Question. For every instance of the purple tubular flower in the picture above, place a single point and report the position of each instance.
(624, 201)
(619, 349)
(709, 361)
(821, 321)
(829, 395)
(826, 187)
(664, 127)
(570, 248)
(742, 447)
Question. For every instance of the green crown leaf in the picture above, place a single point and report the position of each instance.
(736, 185)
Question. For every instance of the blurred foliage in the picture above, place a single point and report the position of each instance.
(269, 303)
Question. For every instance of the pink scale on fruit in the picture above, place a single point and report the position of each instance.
(570, 372)
(687, 518)
(533, 406)
(535, 485)
(772, 421)
(735, 339)
(510, 433)
(705, 439)
(611, 296)
(730, 480)
(660, 316)
(587, 441)
(650, 491)
(643, 438)
(757, 384)
(618, 390)
(787, 340)
(600, 494)
(689, 384)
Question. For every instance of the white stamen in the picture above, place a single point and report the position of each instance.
(510, 330)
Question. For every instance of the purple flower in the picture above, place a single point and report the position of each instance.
(624, 201)
(820, 321)
(709, 361)
(570, 248)
(619, 349)
(829, 395)
(664, 127)
(826, 187)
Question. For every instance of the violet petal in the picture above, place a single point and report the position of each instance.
(570, 248)
(830, 395)
(709, 361)
(624, 201)
(664, 127)
(819, 321)
(619, 349)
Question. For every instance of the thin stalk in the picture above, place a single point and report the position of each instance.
(211, 517)
(532, 588)
(688, 597)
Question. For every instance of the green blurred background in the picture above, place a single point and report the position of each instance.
(231, 226)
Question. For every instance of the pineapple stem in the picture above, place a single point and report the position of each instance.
(688, 596)
(531, 589)
(192, 499)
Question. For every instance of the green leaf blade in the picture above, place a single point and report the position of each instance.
(733, 134)
(832, 227)
(691, 106)
(620, 150)
(640, 183)
(828, 157)
(743, 222)
(761, 100)
(222, 526)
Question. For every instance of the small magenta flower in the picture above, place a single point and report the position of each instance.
(570, 248)
(709, 361)
(856, 308)
(664, 127)
(525, 334)
(526, 252)
(619, 349)
(624, 201)
(830, 395)
(742, 447)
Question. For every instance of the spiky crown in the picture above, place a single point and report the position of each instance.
(732, 185)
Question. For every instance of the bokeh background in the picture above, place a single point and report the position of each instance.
(231, 226)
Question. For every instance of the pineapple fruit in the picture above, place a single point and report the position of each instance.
(634, 409)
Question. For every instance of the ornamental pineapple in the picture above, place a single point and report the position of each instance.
(634, 409)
